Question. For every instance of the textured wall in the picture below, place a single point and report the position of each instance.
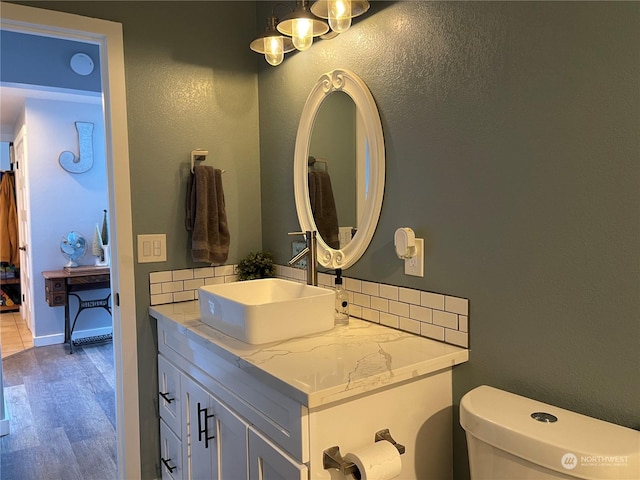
(512, 147)
(191, 82)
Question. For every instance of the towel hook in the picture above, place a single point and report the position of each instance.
(199, 155)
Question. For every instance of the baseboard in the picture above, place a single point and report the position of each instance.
(57, 338)
(43, 341)
(92, 332)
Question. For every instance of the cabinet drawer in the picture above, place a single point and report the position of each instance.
(169, 401)
(170, 453)
(55, 292)
(278, 416)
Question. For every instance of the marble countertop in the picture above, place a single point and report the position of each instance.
(326, 367)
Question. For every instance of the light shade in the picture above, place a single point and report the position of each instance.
(330, 9)
(272, 44)
(301, 25)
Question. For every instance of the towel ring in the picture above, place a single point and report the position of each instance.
(199, 155)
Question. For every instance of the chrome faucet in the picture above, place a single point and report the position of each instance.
(311, 252)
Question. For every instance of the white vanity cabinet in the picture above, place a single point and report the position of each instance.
(200, 437)
(275, 409)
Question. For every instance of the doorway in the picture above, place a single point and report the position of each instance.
(108, 35)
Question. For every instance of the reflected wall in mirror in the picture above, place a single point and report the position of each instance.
(339, 167)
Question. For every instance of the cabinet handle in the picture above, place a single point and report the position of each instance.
(166, 464)
(202, 430)
(166, 397)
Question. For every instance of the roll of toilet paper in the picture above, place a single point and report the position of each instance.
(378, 461)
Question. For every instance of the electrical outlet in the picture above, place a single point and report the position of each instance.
(415, 265)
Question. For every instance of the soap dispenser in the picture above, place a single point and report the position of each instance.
(342, 301)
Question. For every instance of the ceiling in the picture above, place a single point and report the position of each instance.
(12, 99)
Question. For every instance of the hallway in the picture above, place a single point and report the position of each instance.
(14, 334)
(62, 414)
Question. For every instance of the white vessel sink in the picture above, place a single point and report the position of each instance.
(267, 310)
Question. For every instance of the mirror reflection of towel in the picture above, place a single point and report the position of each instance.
(206, 216)
(323, 207)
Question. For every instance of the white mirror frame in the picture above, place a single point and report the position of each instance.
(352, 85)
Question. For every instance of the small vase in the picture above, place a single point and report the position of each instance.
(105, 261)
(106, 253)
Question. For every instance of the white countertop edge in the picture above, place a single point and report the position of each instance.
(186, 316)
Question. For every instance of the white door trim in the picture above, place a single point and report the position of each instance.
(108, 35)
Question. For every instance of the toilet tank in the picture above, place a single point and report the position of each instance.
(505, 440)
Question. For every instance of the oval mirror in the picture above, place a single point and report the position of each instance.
(339, 167)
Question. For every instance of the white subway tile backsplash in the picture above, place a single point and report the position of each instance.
(353, 285)
(183, 296)
(161, 298)
(399, 308)
(169, 287)
(389, 320)
(409, 295)
(433, 315)
(193, 284)
(370, 288)
(325, 280)
(158, 277)
(432, 331)
(355, 311)
(409, 325)
(389, 291)
(224, 270)
(203, 272)
(380, 304)
(371, 315)
(432, 300)
(445, 319)
(362, 300)
(456, 337)
(182, 274)
(423, 314)
(463, 323)
(456, 305)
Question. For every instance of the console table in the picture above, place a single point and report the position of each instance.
(60, 284)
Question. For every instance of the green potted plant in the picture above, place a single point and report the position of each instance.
(256, 265)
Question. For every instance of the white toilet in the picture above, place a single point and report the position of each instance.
(515, 438)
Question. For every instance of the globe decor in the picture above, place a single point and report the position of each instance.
(73, 247)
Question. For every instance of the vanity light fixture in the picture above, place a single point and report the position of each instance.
(339, 12)
(302, 26)
(272, 43)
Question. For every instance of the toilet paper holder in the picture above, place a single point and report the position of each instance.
(331, 457)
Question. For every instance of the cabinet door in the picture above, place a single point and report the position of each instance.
(169, 404)
(199, 452)
(268, 462)
(232, 443)
(170, 454)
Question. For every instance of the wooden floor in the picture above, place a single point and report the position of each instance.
(62, 414)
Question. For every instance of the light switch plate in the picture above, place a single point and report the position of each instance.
(152, 248)
(415, 265)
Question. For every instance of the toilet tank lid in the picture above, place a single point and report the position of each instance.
(590, 448)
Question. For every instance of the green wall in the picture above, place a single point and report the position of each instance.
(191, 82)
(512, 147)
